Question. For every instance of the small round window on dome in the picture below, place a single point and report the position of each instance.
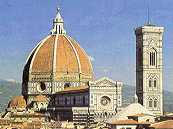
(66, 85)
(42, 86)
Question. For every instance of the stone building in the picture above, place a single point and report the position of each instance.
(58, 80)
(98, 101)
(149, 67)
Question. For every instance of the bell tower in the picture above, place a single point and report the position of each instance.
(149, 67)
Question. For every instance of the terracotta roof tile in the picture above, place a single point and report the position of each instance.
(140, 115)
(74, 89)
(66, 58)
(44, 56)
(84, 59)
(17, 102)
(63, 56)
(163, 125)
(128, 122)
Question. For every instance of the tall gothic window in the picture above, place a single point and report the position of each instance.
(74, 101)
(155, 83)
(150, 83)
(150, 103)
(153, 58)
(155, 103)
(84, 100)
(66, 101)
(59, 29)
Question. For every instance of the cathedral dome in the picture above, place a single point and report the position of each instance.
(58, 57)
(62, 55)
(17, 102)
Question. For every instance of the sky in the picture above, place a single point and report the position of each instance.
(104, 28)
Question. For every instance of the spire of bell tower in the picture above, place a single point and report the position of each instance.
(149, 23)
(148, 15)
(58, 24)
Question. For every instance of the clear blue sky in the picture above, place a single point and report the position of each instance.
(104, 28)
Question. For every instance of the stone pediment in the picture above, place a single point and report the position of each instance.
(103, 82)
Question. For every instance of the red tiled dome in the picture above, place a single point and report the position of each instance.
(17, 102)
(63, 56)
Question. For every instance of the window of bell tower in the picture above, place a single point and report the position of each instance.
(150, 83)
(155, 83)
(150, 103)
(155, 103)
(153, 58)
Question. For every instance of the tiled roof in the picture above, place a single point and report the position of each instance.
(21, 125)
(17, 102)
(32, 125)
(28, 115)
(43, 57)
(163, 125)
(140, 115)
(74, 89)
(63, 56)
(85, 63)
(127, 122)
(8, 122)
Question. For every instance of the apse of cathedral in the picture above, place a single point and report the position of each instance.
(58, 80)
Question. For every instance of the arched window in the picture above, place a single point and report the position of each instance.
(59, 29)
(155, 83)
(150, 58)
(67, 85)
(84, 100)
(42, 86)
(74, 101)
(150, 103)
(155, 103)
(66, 101)
(153, 58)
(150, 83)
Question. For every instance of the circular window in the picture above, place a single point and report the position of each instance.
(105, 100)
(66, 85)
(42, 86)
